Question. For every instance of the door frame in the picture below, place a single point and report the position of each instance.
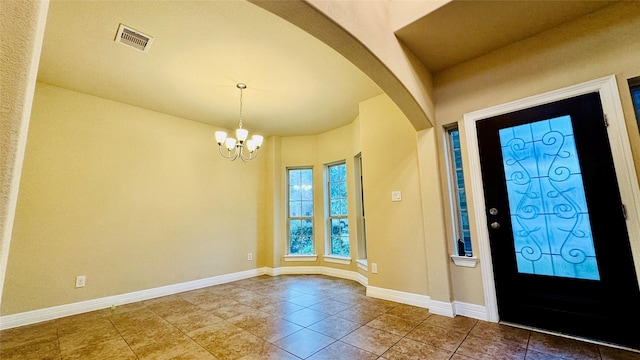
(622, 159)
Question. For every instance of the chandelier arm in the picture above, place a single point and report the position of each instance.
(231, 155)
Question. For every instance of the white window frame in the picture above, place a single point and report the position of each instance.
(329, 256)
(299, 256)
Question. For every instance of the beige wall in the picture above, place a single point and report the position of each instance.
(131, 198)
(316, 151)
(395, 231)
(22, 30)
(597, 45)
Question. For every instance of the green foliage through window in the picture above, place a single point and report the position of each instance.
(338, 210)
(300, 183)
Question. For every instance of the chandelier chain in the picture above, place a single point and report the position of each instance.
(241, 90)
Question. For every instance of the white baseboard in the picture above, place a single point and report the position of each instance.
(471, 310)
(55, 312)
(399, 296)
(318, 270)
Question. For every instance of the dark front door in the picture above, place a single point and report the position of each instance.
(559, 244)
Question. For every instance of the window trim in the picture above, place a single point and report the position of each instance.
(454, 201)
(327, 183)
(361, 225)
(294, 256)
(634, 85)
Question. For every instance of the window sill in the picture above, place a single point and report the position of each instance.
(464, 261)
(300, 257)
(337, 259)
(362, 264)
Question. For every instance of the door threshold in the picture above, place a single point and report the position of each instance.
(573, 337)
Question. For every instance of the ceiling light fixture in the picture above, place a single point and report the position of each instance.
(234, 149)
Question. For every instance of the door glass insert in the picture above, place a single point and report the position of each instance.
(548, 209)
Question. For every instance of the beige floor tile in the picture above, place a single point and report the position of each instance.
(334, 327)
(304, 343)
(228, 312)
(251, 319)
(500, 332)
(458, 323)
(436, 336)
(281, 308)
(358, 315)
(113, 350)
(265, 326)
(305, 317)
(269, 351)
(340, 350)
(407, 349)
(85, 333)
(410, 313)
(392, 324)
(330, 307)
(618, 354)
(235, 346)
(372, 340)
(560, 346)
(178, 346)
(483, 349)
(193, 320)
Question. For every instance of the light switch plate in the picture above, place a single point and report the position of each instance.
(396, 195)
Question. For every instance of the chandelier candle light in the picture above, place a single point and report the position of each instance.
(235, 148)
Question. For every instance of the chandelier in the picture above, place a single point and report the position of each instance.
(234, 149)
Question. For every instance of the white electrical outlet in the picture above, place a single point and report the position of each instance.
(80, 281)
(250, 256)
(374, 268)
(396, 195)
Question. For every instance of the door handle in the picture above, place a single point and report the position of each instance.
(495, 225)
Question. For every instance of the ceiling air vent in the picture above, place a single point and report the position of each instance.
(135, 39)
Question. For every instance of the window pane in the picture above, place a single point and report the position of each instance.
(307, 208)
(338, 208)
(294, 192)
(300, 210)
(306, 192)
(457, 192)
(550, 219)
(295, 209)
(295, 227)
(294, 177)
(306, 176)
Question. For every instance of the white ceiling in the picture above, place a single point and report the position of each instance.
(296, 84)
(201, 50)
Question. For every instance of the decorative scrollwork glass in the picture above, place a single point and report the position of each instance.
(549, 215)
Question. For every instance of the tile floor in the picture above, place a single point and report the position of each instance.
(285, 317)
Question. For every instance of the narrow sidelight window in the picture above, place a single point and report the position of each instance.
(634, 87)
(458, 198)
(300, 204)
(337, 201)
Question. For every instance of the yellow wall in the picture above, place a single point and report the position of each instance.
(135, 199)
(131, 198)
(597, 45)
(22, 29)
(395, 232)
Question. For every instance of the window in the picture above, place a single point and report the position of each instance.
(634, 87)
(337, 202)
(300, 220)
(458, 197)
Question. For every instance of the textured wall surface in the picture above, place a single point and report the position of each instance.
(22, 29)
